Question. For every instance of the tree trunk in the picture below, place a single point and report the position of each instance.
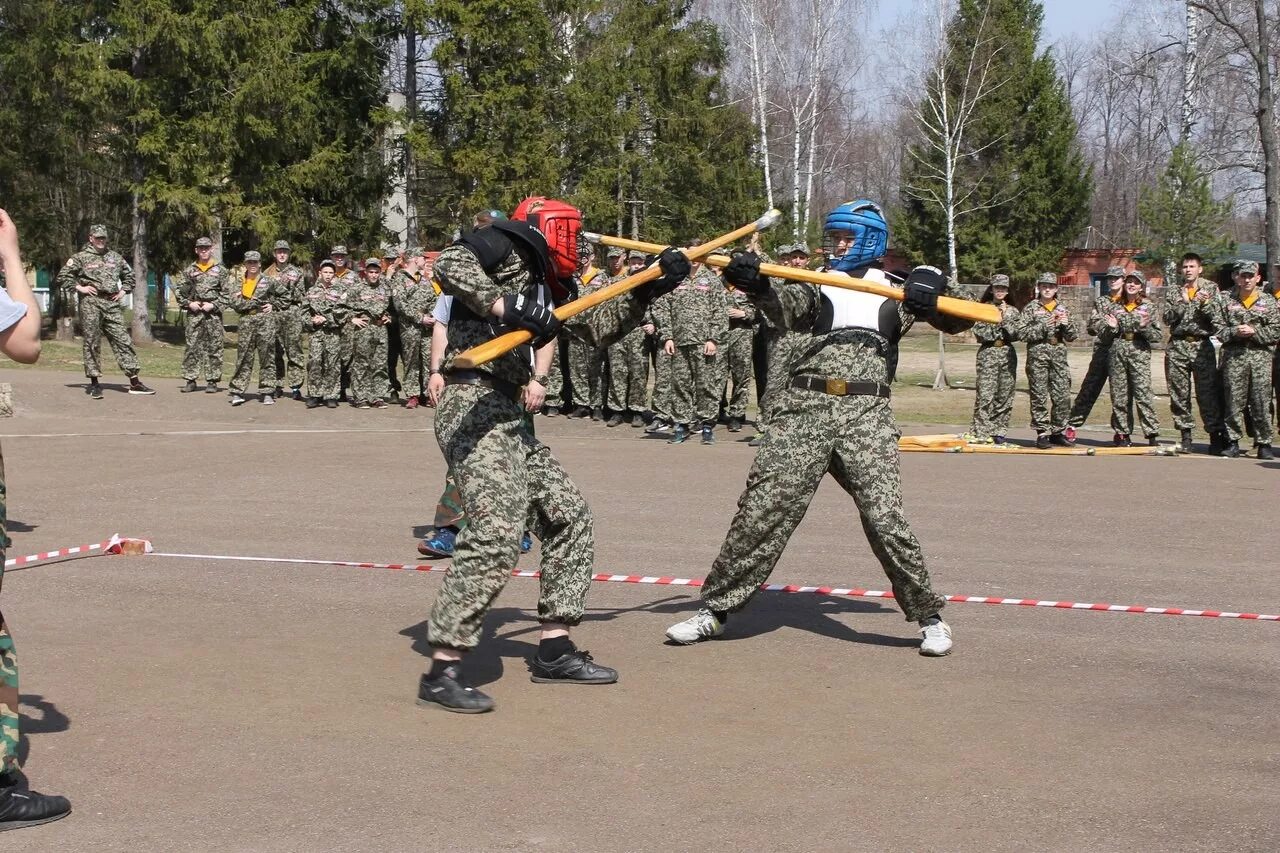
(141, 328)
(1189, 74)
(761, 107)
(795, 173)
(1270, 142)
(410, 113)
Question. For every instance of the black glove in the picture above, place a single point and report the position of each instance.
(924, 286)
(675, 269)
(743, 272)
(521, 312)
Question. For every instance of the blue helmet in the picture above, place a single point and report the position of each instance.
(865, 221)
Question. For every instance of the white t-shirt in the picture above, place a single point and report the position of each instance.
(444, 307)
(10, 312)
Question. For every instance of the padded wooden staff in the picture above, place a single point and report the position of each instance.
(503, 344)
(979, 312)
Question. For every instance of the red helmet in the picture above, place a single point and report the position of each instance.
(560, 223)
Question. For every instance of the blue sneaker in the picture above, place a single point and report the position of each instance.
(439, 544)
(526, 543)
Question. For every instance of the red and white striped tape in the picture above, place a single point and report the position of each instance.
(109, 546)
(849, 592)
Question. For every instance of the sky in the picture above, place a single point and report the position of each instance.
(1075, 17)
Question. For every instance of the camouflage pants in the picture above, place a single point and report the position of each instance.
(1130, 381)
(783, 348)
(449, 511)
(1094, 379)
(1188, 363)
(99, 318)
(1246, 386)
(290, 365)
(324, 364)
(695, 393)
(586, 374)
(662, 393)
(8, 661)
(735, 356)
(204, 335)
(506, 478)
(628, 373)
(1049, 378)
(256, 336)
(369, 363)
(415, 348)
(997, 379)
(811, 434)
(555, 381)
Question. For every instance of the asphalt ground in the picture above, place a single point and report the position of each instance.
(197, 705)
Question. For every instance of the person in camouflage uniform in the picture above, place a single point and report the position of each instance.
(663, 402)
(102, 278)
(692, 322)
(393, 261)
(736, 356)
(1135, 326)
(628, 362)
(834, 417)
(254, 298)
(586, 363)
(413, 299)
(782, 346)
(290, 316)
(1248, 325)
(202, 293)
(504, 474)
(1100, 362)
(1047, 326)
(997, 367)
(20, 341)
(328, 312)
(1190, 358)
(368, 319)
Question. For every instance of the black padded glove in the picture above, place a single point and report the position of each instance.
(675, 269)
(743, 272)
(924, 286)
(521, 312)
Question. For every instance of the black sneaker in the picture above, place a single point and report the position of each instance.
(597, 414)
(296, 392)
(735, 424)
(1153, 441)
(450, 692)
(637, 421)
(94, 391)
(679, 435)
(313, 402)
(756, 440)
(1042, 441)
(190, 386)
(212, 387)
(576, 667)
(552, 411)
(1232, 450)
(580, 412)
(331, 404)
(278, 392)
(1061, 440)
(614, 420)
(136, 386)
(1185, 446)
(708, 435)
(20, 808)
(1264, 452)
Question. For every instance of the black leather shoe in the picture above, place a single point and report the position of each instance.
(331, 404)
(576, 667)
(1042, 441)
(313, 402)
(450, 692)
(614, 420)
(1061, 440)
(20, 808)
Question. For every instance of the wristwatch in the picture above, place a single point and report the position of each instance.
(542, 378)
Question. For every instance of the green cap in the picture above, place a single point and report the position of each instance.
(1047, 278)
(1246, 267)
(1115, 272)
(204, 243)
(98, 231)
(1000, 280)
(282, 246)
(252, 257)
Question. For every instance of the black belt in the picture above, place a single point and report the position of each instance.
(999, 342)
(484, 380)
(841, 387)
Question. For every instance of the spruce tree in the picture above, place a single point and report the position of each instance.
(1180, 214)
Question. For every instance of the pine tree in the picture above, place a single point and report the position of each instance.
(1021, 161)
(1180, 214)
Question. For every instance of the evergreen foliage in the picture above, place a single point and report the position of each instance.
(1180, 215)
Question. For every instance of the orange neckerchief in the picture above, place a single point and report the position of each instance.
(1115, 298)
(1050, 306)
(1191, 292)
(1248, 301)
(249, 286)
(206, 267)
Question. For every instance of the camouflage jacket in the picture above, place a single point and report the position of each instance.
(1007, 330)
(197, 285)
(735, 298)
(1263, 315)
(697, 311)
(1096, 325)
(107, 271)
(330, 302)
(291, 287)
(1129, 322)
(847, 353)
(1192, 316)
(266, 292)
(412, 297)
(460, 275)
(1038, 326)
(370, 301)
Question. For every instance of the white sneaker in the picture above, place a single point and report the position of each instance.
(268, 400)
(703, 625)
(237, 400)
(937, 637)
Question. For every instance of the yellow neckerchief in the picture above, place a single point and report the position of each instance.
(1191, 291)
(1131, 306)
(1050, 306)
(1115, 298)
(206, 267)
(249, 286)
(589, 275)
(435, 284)
(1247, 301)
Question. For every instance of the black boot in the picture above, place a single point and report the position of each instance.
(1217, 441)
(1186, 441)
(1232, 450)
(1264, 452)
